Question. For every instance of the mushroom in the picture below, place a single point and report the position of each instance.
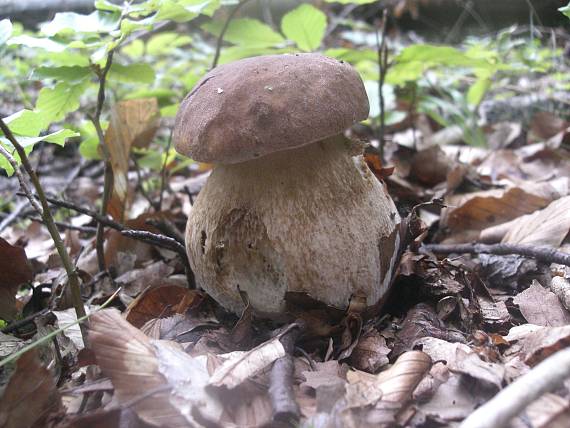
(287, 208)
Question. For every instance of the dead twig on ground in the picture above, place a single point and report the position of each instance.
(542, 254)
(511, 401)
(285, 408)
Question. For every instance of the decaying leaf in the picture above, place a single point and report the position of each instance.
(133, 123)
(161, 302)
(483, 209)
(30, 396)
(14, 271)
(548, 226)
(541, 307)
(165, 383)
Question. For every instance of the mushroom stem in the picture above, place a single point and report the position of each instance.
(312, 219)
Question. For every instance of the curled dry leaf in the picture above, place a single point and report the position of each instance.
(30, 396)
(240, 366)
(541, 307)
(561, 287)
(14, 270)
(370, 353)
(157, 379)
(535, 343)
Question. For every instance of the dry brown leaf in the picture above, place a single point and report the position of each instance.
(393, 385)
(133, 123)
(165, 383)
(479, 210)
(534, 343)
(240, 366)
(325, 374)
(135, 281)
(462, 360)
(161, 302)
(31, 394)
(14, 271)
(541, 307)
(371, 352)
(548, 226)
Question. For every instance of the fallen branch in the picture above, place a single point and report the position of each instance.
(511, 401)
(542, 254)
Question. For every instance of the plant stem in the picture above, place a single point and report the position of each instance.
(45, 213)
(108, 174)
(382, 48)
(223, 32)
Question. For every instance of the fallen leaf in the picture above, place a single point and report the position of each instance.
(132, 123)
(239, 366)
(161, 302)
(548, 226)
(14, 271)
(370, 353)
(164, 382)
(31, 394)
(541, 307)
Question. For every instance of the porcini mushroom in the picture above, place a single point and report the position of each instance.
(287, 207)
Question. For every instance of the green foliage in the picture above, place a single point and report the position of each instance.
(54, 72)
(306, 26)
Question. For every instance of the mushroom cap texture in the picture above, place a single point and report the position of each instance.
(256, 106)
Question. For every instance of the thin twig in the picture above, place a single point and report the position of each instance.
(382, 51)
(543, 254)
(45, 213)
(15, 213)
(223, 32)
(163, 172)
(156, 239)
(108, 174)
(550, 374)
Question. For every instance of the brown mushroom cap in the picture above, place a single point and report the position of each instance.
(256, 106)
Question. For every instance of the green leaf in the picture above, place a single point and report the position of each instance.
(133, 73)
(565, 10)
(28, 143)
(165, 42)
(37, 42)
(169, 111)
(69, 58)
(55, 103)
(234, 53)
(70, 22)
(246, 32)
(108, 6)
(5, 30)
(185, 10)
(25, 122)
(305, 25)
(89, 147)
(67, 74)
(351, 1)
(478, 90)
(135, 49)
